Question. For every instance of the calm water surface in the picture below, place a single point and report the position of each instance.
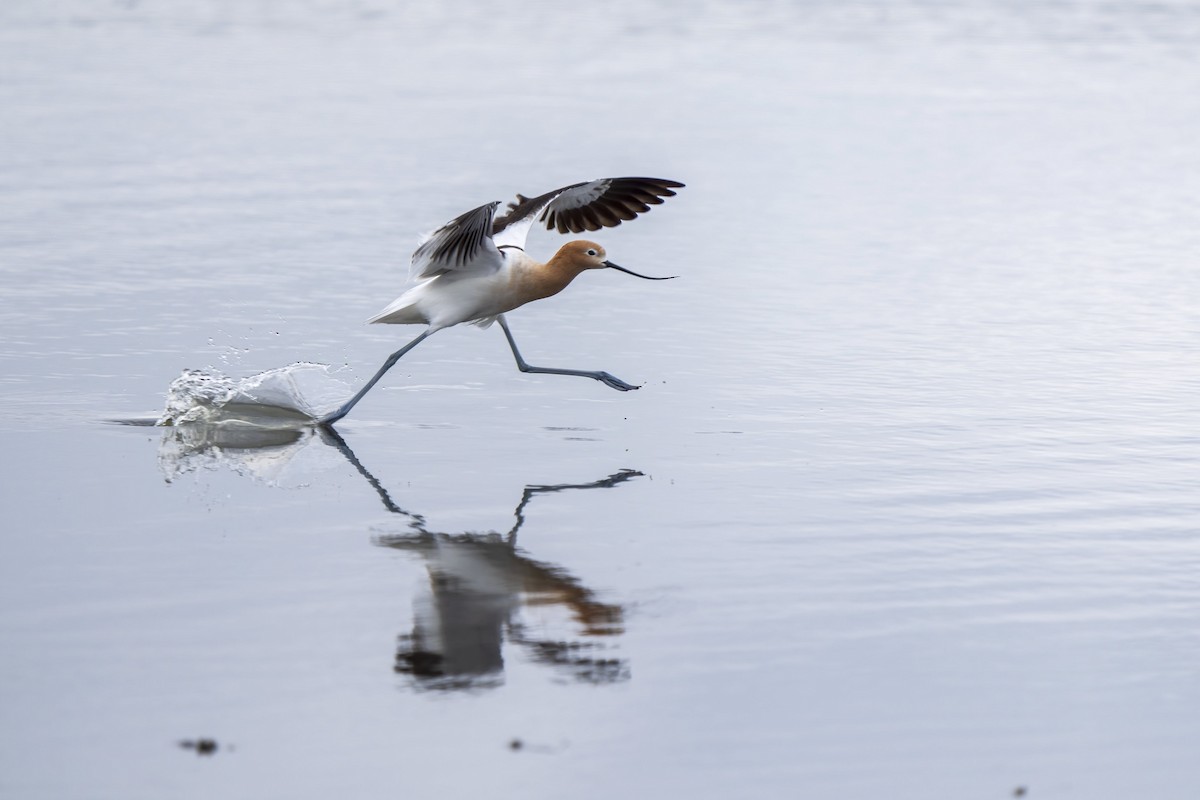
(907, 506)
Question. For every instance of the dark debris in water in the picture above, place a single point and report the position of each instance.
(202, 747)
(518, 745)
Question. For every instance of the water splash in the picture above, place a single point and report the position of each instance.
(281, 398)
(255, 426)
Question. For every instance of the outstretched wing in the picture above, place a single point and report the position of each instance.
(463, 244)
(587, 206)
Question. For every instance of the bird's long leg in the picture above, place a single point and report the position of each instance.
(391, 361)
(603, 377)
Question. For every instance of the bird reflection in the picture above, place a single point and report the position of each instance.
(479, 583)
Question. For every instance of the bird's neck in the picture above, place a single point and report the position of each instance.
(544, 280)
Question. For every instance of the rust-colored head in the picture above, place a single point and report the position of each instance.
(582, 254)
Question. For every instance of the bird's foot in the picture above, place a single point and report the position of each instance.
(328, 420)
(615, 382)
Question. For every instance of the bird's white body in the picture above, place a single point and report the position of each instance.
(477, 296)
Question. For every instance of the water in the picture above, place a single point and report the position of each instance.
(906, 506)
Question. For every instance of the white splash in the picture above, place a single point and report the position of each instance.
(279, 398)
(255, 426)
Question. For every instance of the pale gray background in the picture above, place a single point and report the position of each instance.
(918, 516)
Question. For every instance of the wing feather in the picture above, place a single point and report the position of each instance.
(462, 244)
(590, 206)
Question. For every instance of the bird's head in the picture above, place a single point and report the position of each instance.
(583, 254)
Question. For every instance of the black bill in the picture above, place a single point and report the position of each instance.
(611, 265)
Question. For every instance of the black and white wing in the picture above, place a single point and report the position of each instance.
(587, 206)
(462, 244)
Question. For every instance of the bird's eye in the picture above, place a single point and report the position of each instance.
(591, 252)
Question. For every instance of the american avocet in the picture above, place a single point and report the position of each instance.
(474, 268)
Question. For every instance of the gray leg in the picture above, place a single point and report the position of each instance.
(603, 377)
(391, 361)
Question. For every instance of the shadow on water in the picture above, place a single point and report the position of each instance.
(479, 582)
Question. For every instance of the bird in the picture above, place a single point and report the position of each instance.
(474, 268)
